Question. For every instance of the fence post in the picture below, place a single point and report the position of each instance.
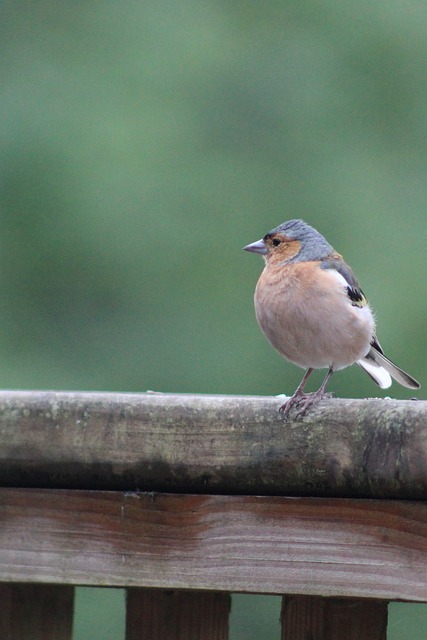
(154, 614)
(319, 618)
(36, 612)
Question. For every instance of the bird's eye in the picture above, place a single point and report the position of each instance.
(275, 242)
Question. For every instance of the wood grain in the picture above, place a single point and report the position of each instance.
(36, 612)
(311, 618)
(313, 546)
(154, 614)
(212, 444)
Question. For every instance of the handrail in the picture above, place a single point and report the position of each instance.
(374, 448)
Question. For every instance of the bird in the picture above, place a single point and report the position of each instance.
(311, 308)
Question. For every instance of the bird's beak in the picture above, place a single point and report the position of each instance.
(257, 247)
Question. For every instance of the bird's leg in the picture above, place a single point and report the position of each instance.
(297, 396)
(310, 399)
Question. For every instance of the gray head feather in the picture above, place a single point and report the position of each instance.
(313, 244)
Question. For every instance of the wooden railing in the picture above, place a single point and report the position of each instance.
(185, 499)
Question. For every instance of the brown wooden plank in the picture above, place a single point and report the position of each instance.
(213, 444)
(36, 612)
(316, 546)
(314, 618)
(154, 614)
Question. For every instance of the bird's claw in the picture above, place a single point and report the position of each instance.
(303, 402)
(292, 402)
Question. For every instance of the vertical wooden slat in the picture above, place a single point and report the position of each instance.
(36, 612)
(154, 614)
(316, 618)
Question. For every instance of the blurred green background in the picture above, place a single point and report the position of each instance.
(144, 143)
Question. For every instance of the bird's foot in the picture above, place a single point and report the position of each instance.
(292, 402)
(303, 402)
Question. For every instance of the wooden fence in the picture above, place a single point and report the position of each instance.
(185, 499)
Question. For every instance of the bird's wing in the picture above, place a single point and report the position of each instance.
(375, 363)
(354, 292)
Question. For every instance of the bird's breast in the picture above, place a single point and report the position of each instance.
(305, 313)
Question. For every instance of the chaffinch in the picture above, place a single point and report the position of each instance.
(311, 308)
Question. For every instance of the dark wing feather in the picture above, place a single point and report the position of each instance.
(354, 292)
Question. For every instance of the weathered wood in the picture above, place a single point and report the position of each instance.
(36, 612)
(316, 546)
(313, 618)
(213, 444)
(154, 614)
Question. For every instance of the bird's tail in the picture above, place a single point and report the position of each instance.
(380, 368)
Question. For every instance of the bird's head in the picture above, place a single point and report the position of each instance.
(292, 241)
